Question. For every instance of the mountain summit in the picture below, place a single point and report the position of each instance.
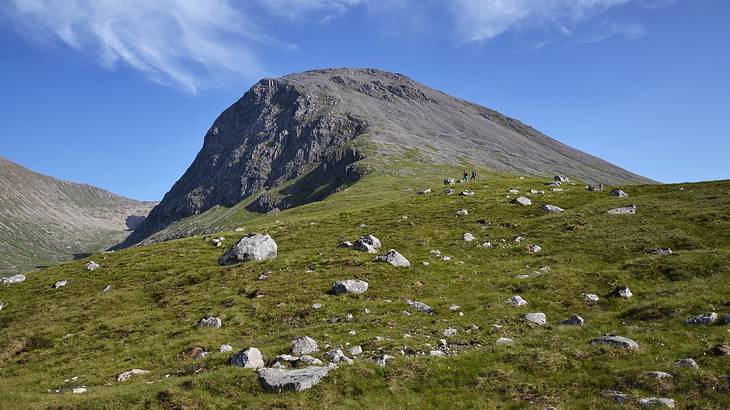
(309, 130)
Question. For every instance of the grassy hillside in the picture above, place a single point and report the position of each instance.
(79, 335)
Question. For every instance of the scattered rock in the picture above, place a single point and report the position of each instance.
(621, 292)
(345, 244)
(278, 380)
(651, 402)
(659, 375)
(521, 200)
(561, 178)
(722, 349)
(462, 212)
(304, 345)
(449, 181)
(317, 306)
(437, 353)
(703, 319)
(355, 350)
(123, 377)
(210, 321)
(9, 280)
(595, 188)
(394, 258)
(61, 283)
(382, 360)
(78, 390)
(467, 193)
(687, 362)
(91, 265)
(425, 191)
(537, 318)
(514, 191)
(107, 288)
(624, 210)
(368, 243)
(349, 286)
(574, 320)
(619, 193)
(532, 248)
(252, 247)
(448, 191)
(468, 237)
(551, 208)
(554, 184)
(590, 297)
(454, 308)
(615, 341)
(338, 356)
(485, 245)
(420, 306)
(450, 331)
(309, 360)
(225, 348)
(661, 251)
(504, 341)
(516, 300)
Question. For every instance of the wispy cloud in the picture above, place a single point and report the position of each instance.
(190, 44)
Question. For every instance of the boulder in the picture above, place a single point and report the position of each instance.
(278, 380)
(661, 251)
(368, 243)
(467, 193)
(516, 300)
(225, 348)
(504, 341)
(521, 200)
(595, 188)
(532, 248)
(687, 362)
(654, 402)
(551, 208)
(250, 358)
(61, 283)
(355, 350)
(468, 237)
(304, 345)
(210, 321)
(462, 212)
(590, 297)
(659, 375)
(123, 377)
(420, 306)
(615, 341)
(91, 265)
(449, 332)
(448, 191)
(338, 356)
(703, 319)
(345, 245)
(9, 280)
(619, 193)
(449, 181)
(574, 320)
(537, 318)
(252, 247)
(394, 258)
(624, 210)
(309, 360)
(349, 286)
(425, 191)
(561, 178)
(622, 292)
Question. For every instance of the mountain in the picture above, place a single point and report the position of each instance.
(317, 131)
(44, 220)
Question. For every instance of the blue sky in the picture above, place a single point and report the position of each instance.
(120, 94)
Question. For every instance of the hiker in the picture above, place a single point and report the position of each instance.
(473, 174)
(466, 176)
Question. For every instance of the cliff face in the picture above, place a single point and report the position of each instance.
(299, 127)
(45, 220)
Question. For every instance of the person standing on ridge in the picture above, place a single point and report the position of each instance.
(473, 174)
(466, 176)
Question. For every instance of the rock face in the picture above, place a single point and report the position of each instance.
(311, 126)
(45, 220)
(349, 286)
(252, 247)
(278, 380)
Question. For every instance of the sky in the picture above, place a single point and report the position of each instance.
(120, 94)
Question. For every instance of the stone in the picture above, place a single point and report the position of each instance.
(210, 321)
(521, 200)
(687, 362)
(532, 248)
(61, 283)
(309, 360)
(703, 319)
(107, 288)
(225, 348)
(394, 258)
(317, 306)
(615, 341)
(485, 245)
(91, 265)
(554, 184)
(9, 280)
(355, 350)
(574, 320)
(537, 318)
(345, 245)
(516, 300)
(437, 353)
(590, 297)
(252, 247)
(123, 377)
(382, 360)
(595, 188)
(621, 292)
(449, 181)
(420, 306)
(435, 252)
(338, 356)
(619, 193)
(462, 212)
(424, 191)
(659, 375)
(353, 286)
(368, 243)
(449, 332)
(2, 305)
(454, 308)
(561, 178)
(467, 193)
(468, 237)
(551, 208)
(661, 251)
(279, 380)
(514, 191)
(504, 341)
(653, 402)
(624, 210)
(304, 345)
(448, 191)
(519, 239)
(78, 390)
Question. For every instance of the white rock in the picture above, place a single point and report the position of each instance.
(250, 358)
(537, 318)
(91, 265)
(304, 345)
(521, 200)
(394, 258)
(449, 332)
(551, 208)
(516, 300)
(210, 321)
(252, 247)
(355, 350)
(653, 402)
(225, 348)
(624, 210)
(468, 237)
(353, 286)
(278, 380)
(504, 341)
(9, 280)
(123, 377)
(462, 212)
(590, 297)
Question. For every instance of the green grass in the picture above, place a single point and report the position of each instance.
(160, 291)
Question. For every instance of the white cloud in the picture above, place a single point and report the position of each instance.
(191, 44)
(480, 20)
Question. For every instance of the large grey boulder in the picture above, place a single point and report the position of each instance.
(537, 318)
(595, 188)
(304, 345)
(420, 306)
(250, 358)
(123, 377)
(9, 280)
(278, 380)
(687, 362)
(367, 243)
(394, 258)
(615, 341)
(349, 286)
(624, 210)
(654, 402)
(619, 193)
(703, 319)
(521, 200)
(210, 321)
(622, 292)
(252, 247)
(551, 208)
